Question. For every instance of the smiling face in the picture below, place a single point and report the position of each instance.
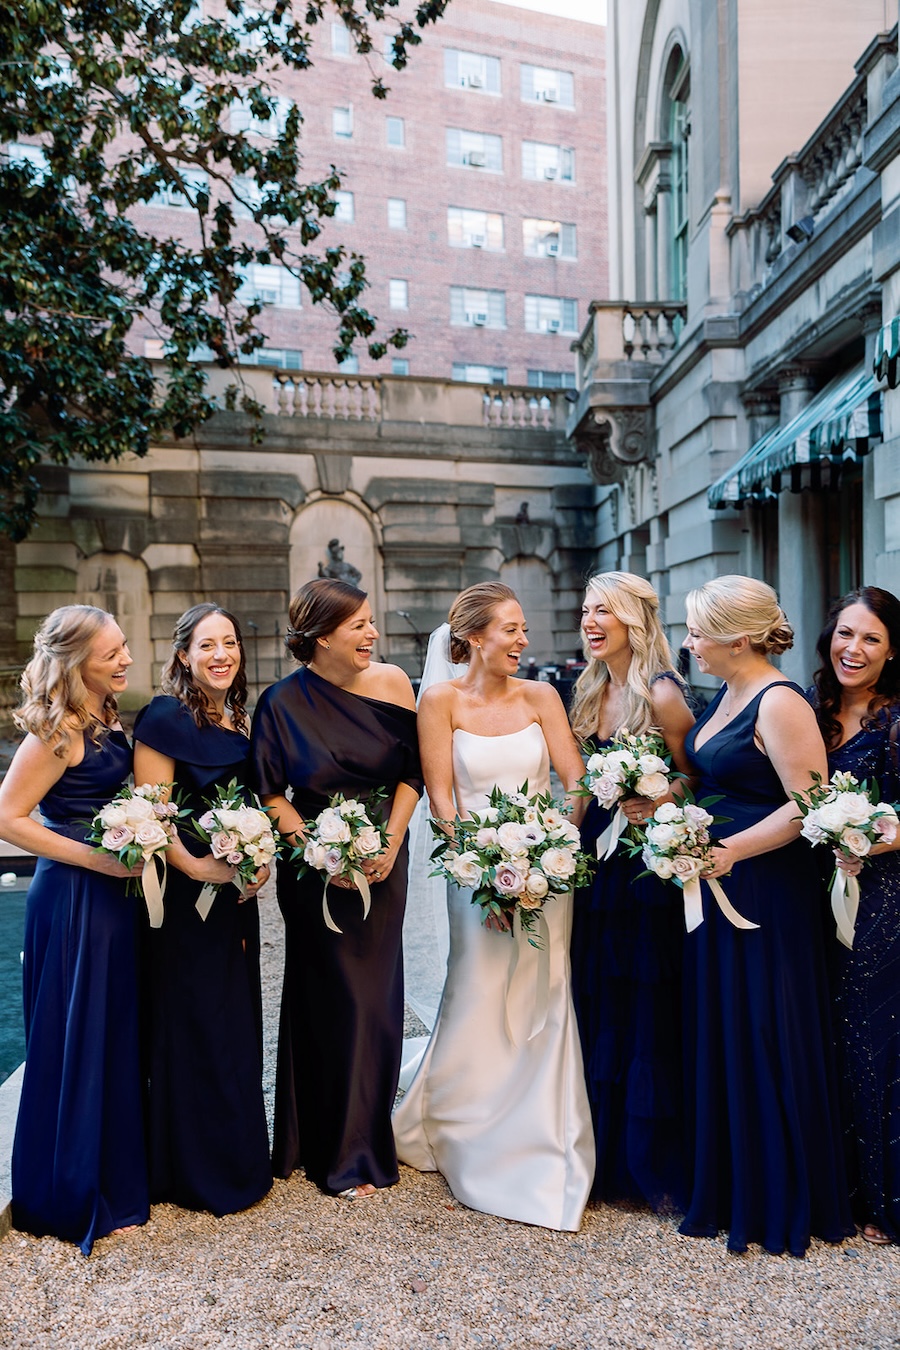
(711, 656)
(860, 645)
(213, 656)
(503, 641)
(350, 644)
(606, 636)
(105, 671)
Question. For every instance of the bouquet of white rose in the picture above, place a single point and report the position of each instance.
(239, 833)
(676, 845)
(636, 765)
(342, 836)
(138, 826)
(514, 854)
(846, 814)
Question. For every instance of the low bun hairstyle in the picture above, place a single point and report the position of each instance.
(317, 609)
(731, 607)
(471, 612)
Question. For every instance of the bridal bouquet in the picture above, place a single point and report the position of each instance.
(632, 766)
(846, 814)
(240, 834)
(342, 836)
(514, 854)
(138, 826)
(676, 845)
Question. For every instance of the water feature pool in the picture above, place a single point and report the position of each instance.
(12, 929)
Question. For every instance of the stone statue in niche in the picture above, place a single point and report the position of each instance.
(337, 568)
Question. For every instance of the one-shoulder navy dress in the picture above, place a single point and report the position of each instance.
(341, 1028)
(768, 1162)
(209, 1141)
(79, 1165)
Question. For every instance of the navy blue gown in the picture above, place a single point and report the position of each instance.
(627, 942)
(866, 996)
(209, 1141)
(768, 1162)
(341, 1029)
(79, 1164)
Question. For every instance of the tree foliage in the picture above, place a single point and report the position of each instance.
(104, 106)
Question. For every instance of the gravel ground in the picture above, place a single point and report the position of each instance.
(412, 1268)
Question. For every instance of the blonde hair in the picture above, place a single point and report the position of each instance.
(54, 704)
(471, 612)
(635, 603)
(732, 607)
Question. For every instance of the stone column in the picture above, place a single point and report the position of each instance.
(801, 537)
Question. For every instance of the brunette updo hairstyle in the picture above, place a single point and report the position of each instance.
(471, 612)
(54, 696)
(732, 607)
(177, 679)
(316, 610)
(885, 607)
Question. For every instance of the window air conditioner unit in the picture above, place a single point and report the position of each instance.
(474, 81)
(550, 171)
(476, 240)
(553, 325)
(476, 158)
(479, 319)
(552, 248)
(550, 96)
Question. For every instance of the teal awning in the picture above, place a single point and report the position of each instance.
(839, 424)
(887, 351)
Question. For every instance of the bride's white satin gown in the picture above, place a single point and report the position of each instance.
(507, 1124)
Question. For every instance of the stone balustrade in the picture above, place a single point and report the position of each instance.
(642, 333)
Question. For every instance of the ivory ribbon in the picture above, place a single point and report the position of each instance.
(154, 887)
(693, 905)
(204, 902)
(529, 981)
(610, 836)
(362, 885)
(845, 905)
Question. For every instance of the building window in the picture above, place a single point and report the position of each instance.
(550, 314)
(474, 150)
(399, 365)
(396, 132)
(679, 136)
(340, 40)
(243, 119)
(342, 123)
(343, 207)
(270, 285)
(398, 294)
(477, 309)
(551, 379)
(548, 238)
(471, 70)
(540, 160)
(474, 374)
(280, 358)
(474, 229)
(195, 180)
(540, 84)
(396, 208)
(387, 49)
(349, 365)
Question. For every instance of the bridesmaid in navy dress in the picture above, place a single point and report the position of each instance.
(340, 724)
(628, 934)
(78, 1165)
(857, 702)
(209, 1142)
(768, 1162)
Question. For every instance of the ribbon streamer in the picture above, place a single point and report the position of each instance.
(693, 905)
(154, 887)
(361, 883)
(610, 836)
(204, 901)
(845, 905)
(529, 981)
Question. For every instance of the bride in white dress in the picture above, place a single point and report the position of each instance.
(498, 1105)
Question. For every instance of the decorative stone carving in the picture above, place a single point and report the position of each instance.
(337, 567)
(618, 437)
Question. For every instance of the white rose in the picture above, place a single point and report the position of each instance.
(486, 837)
(227, 816)
(511, 835)
(467, 869)
(596, 764)
(332, 861)
(567, 833)
(621, 759)
(812, 831)
(856, 807)
(113, 815)
(668, 812)
(314, 854)
(831, 817)
(250, 823)
(663, 867)
(652, 785)
(138, 808)
(652, 764)
(489, 815)
(661, 836)
(368, 841)
(854, 841)
(332, 828)
(150, 837)
(536, 885)
(558, 863)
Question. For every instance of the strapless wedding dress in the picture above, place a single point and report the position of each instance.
(501, 1111)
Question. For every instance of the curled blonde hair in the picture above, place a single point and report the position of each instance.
(54, 703)
(732, 607)
(471, 612)
(635, 603)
